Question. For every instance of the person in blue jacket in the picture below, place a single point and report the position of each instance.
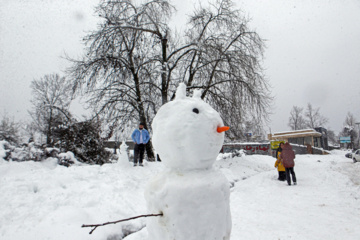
(140, 137)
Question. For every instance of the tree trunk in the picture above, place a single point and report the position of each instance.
(48, 134)
(142, 118)
(164, 85)
(150, 152)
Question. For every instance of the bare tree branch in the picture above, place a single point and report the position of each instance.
(94, 226)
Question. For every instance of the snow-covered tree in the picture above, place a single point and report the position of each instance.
(296, 119)
(350, 120)
(313, 117)
(349, 128)
(225, 65)
(134, 62)
(332, 138)
(9, 129)
(52, 96)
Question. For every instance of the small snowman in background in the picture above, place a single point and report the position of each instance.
(123, 158)
(192, 196)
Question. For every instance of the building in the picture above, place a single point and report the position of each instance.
(312, 140)
(324, 137)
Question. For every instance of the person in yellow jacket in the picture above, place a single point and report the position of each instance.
(279, 165)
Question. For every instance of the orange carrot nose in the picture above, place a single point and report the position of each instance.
(222, 129)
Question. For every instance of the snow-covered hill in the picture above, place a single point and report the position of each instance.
(48, 201)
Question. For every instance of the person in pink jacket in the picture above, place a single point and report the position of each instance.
(287, 157)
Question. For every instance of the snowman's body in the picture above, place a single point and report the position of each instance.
(123, 158)
(193, 197)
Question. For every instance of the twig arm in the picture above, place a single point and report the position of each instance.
(94, 226)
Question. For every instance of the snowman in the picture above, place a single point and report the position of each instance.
(121, 153)
(192, 196)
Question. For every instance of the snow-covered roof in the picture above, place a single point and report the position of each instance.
(293, 131)
(294, 134)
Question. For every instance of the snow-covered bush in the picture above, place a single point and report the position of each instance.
(36, 154)
(52, 152)
(20, 154)
(235, 153)
(4, 150)
(85, 141)
(27, 152)
(67, 159)
(79, 142)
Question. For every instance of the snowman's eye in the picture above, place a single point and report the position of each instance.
(195, 110)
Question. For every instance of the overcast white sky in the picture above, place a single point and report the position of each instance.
(312, 55)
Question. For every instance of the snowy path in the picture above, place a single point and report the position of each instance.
(324, 204)
(44, 201)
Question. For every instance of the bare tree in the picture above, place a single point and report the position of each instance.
(349, 128)
(226, 65)
(120, 71)
(296, 119)
(51, 99)
(134, 63)
(350, 120)
(332, 138)
(314, 118)
(9, 129)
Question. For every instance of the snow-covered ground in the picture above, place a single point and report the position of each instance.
(47, 201)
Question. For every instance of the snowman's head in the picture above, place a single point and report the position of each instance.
(187, 132)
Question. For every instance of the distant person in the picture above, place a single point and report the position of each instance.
(287, 157)
(278, 164)
(141, 138)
